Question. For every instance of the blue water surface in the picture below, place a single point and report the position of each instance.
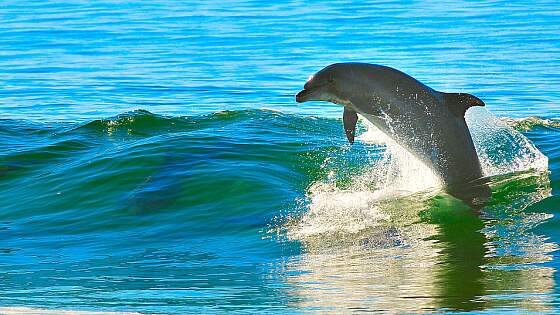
(153, 159)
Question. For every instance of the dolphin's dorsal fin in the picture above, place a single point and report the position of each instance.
(350, 118)
(458, 103)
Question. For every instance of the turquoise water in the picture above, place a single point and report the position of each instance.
(153, 159)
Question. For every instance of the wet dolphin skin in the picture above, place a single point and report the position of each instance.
(428, 123)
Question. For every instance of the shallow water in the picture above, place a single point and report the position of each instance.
(153, 160)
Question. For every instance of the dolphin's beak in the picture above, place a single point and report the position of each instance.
(303, 96)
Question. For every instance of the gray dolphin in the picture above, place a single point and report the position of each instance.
(429, 124)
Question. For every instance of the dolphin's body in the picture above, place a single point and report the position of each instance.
(429, 124)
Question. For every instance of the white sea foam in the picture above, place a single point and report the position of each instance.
(398, 173)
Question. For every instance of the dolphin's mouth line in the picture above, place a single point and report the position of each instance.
(300, 97)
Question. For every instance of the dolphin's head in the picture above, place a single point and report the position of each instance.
(331, 84)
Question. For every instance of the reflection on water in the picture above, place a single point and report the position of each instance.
(462, 252)
(380, 268)
(432, 253)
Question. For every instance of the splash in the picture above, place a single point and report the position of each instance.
(369, 201)
(500, 148)
(400, 171)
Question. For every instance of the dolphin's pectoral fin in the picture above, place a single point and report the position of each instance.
(350, 118)
(458, 103)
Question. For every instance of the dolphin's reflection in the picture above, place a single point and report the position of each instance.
(430, 255)
(459, 275)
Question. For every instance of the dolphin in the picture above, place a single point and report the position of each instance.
(427, 123)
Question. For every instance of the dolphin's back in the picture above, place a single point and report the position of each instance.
(429, 124)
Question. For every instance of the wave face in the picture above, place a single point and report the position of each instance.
(261, 210)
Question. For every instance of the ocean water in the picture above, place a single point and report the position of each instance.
(153, 160)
